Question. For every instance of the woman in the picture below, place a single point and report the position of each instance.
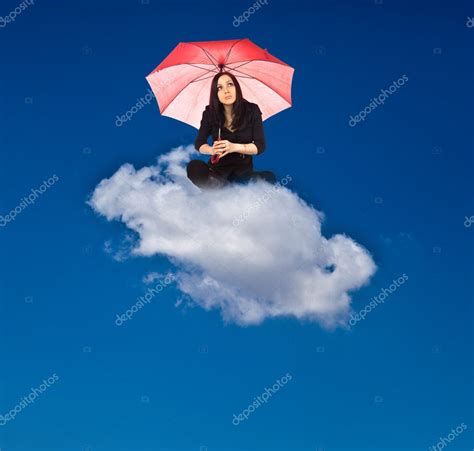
(241, 132)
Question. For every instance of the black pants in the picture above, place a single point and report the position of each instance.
(208, 175)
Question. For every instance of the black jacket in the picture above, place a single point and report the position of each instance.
(251, 133)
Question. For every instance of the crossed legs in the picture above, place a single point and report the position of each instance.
(204, 176)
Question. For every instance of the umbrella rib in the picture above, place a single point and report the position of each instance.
(233, 69)
(231, 47)
(243, 64)
(256, 59)
(201, 79)
(192, 81)
(213, 71)
(211, 76)
(206, 53)
(247, 76)
(202, 68)
(255, 78)
(210, 56)
(269, 87)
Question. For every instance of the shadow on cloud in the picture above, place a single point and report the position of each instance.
(253, 251)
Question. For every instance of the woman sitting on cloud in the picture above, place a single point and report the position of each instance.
(226, 69)
(237, 130)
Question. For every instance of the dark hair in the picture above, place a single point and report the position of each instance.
(240, 105)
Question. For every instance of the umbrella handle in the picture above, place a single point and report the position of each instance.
(215, 158)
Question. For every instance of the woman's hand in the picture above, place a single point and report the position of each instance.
(223, 147)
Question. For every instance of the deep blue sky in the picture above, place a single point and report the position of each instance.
(399, 183)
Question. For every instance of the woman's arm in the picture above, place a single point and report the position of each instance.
(257, 131)
(205, 130)
(203, 133)
(206, 149)
(258, 145)
(247, 149)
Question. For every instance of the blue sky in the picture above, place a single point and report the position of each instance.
(399, 184)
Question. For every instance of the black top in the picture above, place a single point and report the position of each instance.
(252, 132)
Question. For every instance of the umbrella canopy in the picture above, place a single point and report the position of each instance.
(182, 82)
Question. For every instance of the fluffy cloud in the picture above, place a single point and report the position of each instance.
(253, 251)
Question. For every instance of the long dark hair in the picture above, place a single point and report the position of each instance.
(239, 108)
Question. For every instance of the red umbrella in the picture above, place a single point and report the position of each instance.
(182, 82)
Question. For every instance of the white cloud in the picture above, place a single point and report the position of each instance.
(121, 252)
(254, 251)
(152, 276)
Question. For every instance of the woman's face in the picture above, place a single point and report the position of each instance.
(226, 90)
